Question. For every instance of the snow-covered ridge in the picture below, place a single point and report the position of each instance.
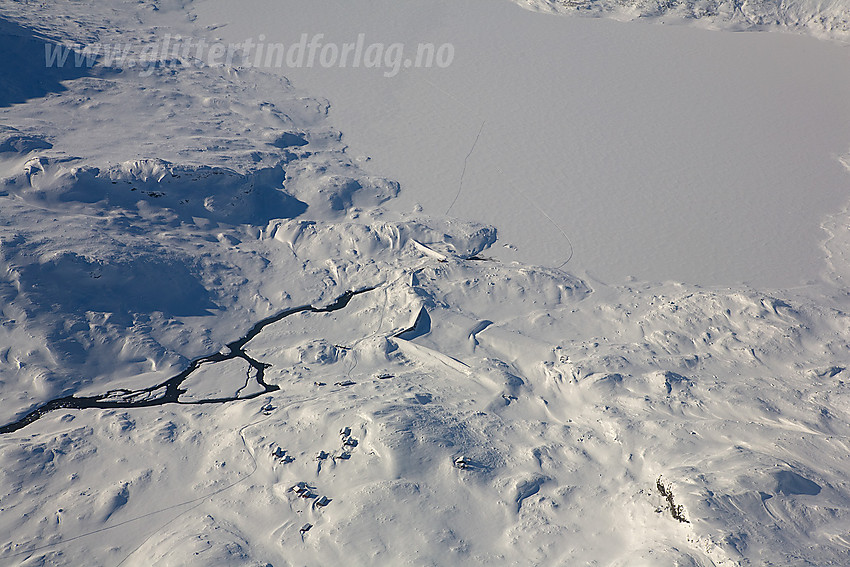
(830, 19)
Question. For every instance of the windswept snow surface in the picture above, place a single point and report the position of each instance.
(431, 400)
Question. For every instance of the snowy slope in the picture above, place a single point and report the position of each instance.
(246, 351)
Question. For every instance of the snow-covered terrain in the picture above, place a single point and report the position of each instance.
(829, 19)
(229, 337)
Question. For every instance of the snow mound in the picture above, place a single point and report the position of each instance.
(14, 141)
(354, 241)
(185, 192)
(25, 76)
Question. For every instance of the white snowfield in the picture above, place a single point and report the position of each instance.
(226, 339)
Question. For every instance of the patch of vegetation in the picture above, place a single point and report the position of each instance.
(676, 510)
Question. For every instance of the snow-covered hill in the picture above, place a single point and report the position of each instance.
(224, 342)
(823, 19)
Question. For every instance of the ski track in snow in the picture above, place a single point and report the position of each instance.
(468, 412)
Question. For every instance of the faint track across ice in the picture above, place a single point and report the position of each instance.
(465, 162)
(504, 176)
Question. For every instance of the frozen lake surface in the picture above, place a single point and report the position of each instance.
(663, 152)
